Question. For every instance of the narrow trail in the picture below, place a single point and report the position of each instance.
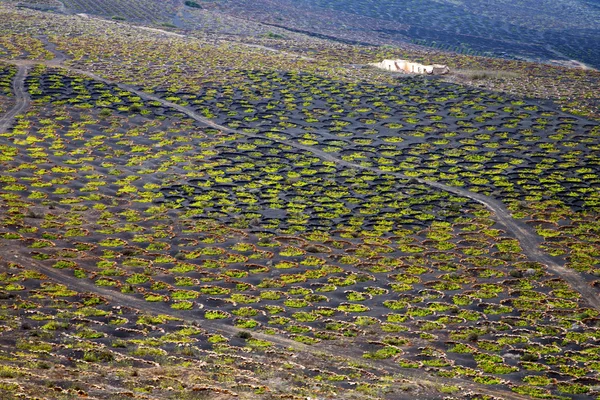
(529, 240)
(22, 100)
(568, 61)
(59, 56)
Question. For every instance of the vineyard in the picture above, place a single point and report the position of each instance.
(189, 217)
(146, 11)
(525, 30)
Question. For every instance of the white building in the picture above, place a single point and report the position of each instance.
(412, 68)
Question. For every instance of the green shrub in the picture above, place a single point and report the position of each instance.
(386, 352)
(137, 279)
(9, 372)
(215, 314)
(192, 4)
(182, 305)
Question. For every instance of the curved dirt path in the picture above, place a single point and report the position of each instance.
(59, 56)
(22, 100)
(567, 61)
(529, 240)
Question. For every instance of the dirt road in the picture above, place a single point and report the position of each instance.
(22, 100)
